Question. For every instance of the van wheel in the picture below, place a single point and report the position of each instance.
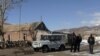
(45, 49)
(62, 47)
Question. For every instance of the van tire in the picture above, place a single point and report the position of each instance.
(62, 48)
(45, 49)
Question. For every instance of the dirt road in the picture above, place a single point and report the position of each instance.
(29, 52)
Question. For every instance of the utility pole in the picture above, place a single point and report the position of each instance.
(41, 18)
(20, 7)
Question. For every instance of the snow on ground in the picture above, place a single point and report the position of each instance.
(97, 41)
(84, 42)
(85, 50)
(84, 53)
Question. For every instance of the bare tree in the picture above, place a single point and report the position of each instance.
(6, 5)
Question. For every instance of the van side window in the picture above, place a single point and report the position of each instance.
(59, 38)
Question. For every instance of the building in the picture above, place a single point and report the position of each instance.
(24, 32)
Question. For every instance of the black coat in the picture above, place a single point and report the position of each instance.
(78, 40)
(73, 39)
(91, 40)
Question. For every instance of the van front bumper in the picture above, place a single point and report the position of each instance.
(36, 45)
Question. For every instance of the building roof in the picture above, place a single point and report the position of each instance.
(34, 25)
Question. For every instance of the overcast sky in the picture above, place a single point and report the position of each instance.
(58, 14)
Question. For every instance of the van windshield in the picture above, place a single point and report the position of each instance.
(44, 37)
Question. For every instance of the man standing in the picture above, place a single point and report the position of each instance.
(77, 42)
(91, 41)
(72, 42)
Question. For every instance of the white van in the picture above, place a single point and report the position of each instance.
(49, 41)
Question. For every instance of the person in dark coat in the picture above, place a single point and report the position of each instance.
(72, 42)
(77, 43)
(91, 41)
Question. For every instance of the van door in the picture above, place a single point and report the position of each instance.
(52, 42)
